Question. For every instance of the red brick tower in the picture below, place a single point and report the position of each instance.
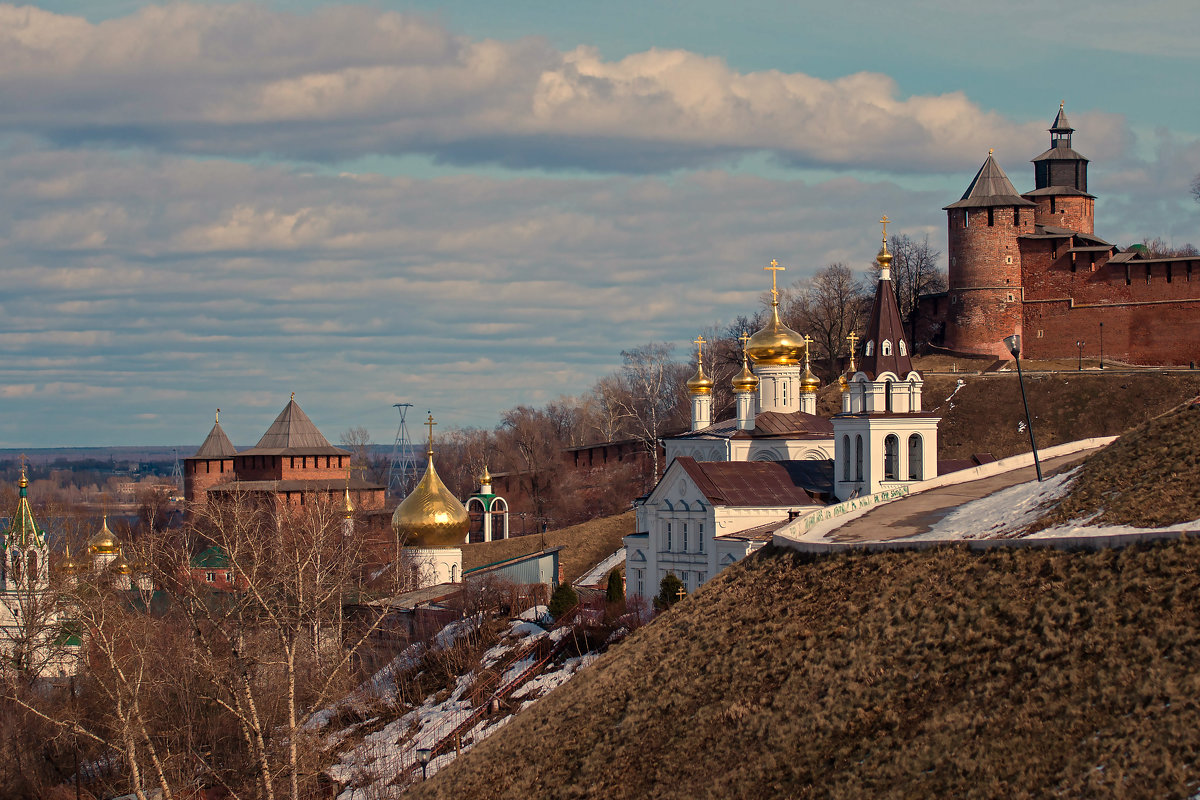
(1060, 175)
(985, 263)
(212, 464)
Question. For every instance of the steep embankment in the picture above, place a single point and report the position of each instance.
(585, 545)
(1150, 477)
(1014, 674)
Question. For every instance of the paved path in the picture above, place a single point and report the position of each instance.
(919, 512)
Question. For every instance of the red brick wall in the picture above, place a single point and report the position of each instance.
(1072, 213)
(200, 475)
(1149, 333)
(276, 468)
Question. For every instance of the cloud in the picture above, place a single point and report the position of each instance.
(341, 83)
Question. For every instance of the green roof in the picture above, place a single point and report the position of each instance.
(213, 557)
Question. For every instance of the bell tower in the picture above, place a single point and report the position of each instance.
(1060, 178)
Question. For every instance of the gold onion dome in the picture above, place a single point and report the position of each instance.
(104, 542)
(71, 565)
(120, 565)
(431, 516)
(776, 344)
(486, 478)
(809, 383)
(745, 381)
(699, 384)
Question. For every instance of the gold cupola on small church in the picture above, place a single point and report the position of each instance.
(431, 516)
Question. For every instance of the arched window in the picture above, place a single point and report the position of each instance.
(915, 457)
(887, 395)
(870, 349)
(858, 458)
(903, 349)
(33, 567)
(783, 390)
(891, 457)
(886, 348)
(845, 458)
(454, 573)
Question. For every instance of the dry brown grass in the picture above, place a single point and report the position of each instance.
(587, 544)
(1150, 477)
(1006, 674)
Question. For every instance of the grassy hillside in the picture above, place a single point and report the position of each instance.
(587, 544)
(1008, 674)
(984, 416)
(1150, 477)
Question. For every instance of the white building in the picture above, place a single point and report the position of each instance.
(728, 485)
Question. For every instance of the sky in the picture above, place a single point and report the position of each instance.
(474, 205)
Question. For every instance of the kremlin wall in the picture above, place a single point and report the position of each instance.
(1032, 264)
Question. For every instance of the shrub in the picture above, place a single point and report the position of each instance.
(668, 592)
(615, 591)
(563, 600)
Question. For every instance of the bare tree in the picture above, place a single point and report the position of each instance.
(827, 307)
(606, 406)
(1196, 188)
(1159, 248)
(915, 272)
(532, 437)
(655, 395)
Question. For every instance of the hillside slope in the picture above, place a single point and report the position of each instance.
(1007, 674)
(1150, 477)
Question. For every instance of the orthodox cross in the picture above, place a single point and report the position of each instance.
(774, 268)
(853, 339)
(884, 222)
(679, 595)
(700, 342)
(745, 337)
(24, 458)
(808, 340)
(218, 419)
(430, 425)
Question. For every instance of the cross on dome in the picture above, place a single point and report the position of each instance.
(775, 269)
(700, 341)
(745, 337)
(430, 425)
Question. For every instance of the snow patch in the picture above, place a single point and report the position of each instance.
(1003, 513)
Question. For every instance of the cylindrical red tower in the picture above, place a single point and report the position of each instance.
(985, 293)
(211, 465)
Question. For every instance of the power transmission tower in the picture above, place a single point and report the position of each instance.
(177, 472)
(403, 467)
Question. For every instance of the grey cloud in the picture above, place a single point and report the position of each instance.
(338, 83)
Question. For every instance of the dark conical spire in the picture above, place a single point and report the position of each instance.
(216, 445)
(1060, 124)
(991, 187)
(293, 432)
(885, 347)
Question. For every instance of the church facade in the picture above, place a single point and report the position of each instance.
(1032, 264)
(729, 485)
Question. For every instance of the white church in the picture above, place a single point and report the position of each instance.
(729, 485)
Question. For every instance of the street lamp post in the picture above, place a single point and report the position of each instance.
(1080, 345)
(1013, 343)
(423, 754)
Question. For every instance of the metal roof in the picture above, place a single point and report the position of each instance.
(764, 484)
(768, 425)
(991, 187)
(216, 445)
(1060, 152)
(293, 433)
(885, 324)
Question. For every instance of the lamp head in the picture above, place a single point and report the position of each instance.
(1013, 343)
(423, 754)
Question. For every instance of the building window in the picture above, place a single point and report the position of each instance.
(870, 351)
(903, 348)
(701, 537)
(915, 456)
(887, 394)
(685, 537)
(885, 349)
(991, 217)
(1016, 222)
(1010, 297)
(668, 537)
(1040, 334)
(211, 577)
(891, 457)
(784, 385)
(845, 458)
(858, 457)
(229, 577)
(1008, 259)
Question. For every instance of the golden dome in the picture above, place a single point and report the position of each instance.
(700, 384)
(884, 257)
(776, 343)
(745, 381)
(809, 383)
(347, 506)
(120, 566)
(70, 565)
(104, 542)
(431, 516)
(486, 478)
